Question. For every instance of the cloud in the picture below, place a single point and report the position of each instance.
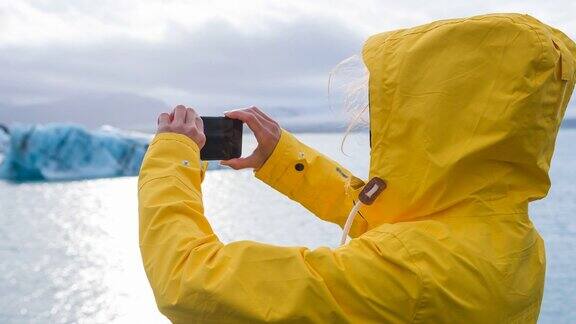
(215, 60)
(215, 68)
(213, 55)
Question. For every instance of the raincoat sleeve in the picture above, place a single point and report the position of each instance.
(318, 183)
(196, 278)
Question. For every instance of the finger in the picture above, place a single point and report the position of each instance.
(199, 123)
(251, 119)
(262, 114)
(241, 163)
(163, 119)
(180, 114)
(190, 116)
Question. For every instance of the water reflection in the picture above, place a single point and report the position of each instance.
(69, 250)
(70, 254)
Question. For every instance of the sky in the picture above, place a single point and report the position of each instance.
(121, 62)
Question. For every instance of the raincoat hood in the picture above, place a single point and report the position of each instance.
(464, 114)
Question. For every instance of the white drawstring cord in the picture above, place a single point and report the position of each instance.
(367, 196)
(349, 221)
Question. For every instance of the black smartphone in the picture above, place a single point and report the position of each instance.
(223, 138)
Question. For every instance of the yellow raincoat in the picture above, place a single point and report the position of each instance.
(464, 116)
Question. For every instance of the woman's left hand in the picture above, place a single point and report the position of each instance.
(183, 121)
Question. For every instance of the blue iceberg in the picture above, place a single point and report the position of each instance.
(67, 152)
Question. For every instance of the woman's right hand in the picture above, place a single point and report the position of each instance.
(267, 132)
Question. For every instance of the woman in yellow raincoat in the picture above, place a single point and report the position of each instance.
(464, 115)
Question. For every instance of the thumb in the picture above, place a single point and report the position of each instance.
(240, 163)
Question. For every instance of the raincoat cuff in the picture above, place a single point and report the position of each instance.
(180, 148)
(285, 154)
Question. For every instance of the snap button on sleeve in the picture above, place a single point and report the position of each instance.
(299, 166)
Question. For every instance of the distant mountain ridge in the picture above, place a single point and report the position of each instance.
(92, 111)
(136, 112)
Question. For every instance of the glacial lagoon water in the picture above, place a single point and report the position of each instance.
(69, 250)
